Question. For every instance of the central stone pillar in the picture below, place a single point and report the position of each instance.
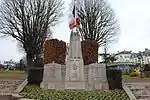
(74, 78)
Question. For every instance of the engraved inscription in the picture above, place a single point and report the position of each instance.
(75, 72)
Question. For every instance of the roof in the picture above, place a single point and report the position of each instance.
(124, 52)
(143, 53)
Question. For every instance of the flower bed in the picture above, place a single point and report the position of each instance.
(34, 92)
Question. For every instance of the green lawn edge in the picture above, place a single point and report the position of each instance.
(135, 78)
(12, 74)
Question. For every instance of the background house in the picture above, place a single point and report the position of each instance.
(124, 61)
(146, 56)
(123, 56)
(127, 60)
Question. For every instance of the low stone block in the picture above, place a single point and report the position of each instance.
(75, 85)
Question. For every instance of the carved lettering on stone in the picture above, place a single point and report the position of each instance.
(75, 72)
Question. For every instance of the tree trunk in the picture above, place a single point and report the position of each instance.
(29, 62)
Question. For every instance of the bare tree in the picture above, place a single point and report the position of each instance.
(29, 22)
(98, 21)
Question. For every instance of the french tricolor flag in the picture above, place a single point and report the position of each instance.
(74, 22)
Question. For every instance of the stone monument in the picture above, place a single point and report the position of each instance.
(74, 74)
(74, 78)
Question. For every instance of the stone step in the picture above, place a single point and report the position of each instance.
(139, 83)
(135, 84)
(5, 93)
(6, 80)
(143, 97)
(7, 87)
(136, 88)
(7, 90)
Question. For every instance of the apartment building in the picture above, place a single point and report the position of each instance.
(123, 56)
(140, 57)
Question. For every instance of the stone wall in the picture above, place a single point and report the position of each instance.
(94, 74)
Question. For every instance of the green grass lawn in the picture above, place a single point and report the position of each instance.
(12, 74)
(35, 92)
(135, 78)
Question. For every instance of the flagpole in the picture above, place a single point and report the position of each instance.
(75, 10)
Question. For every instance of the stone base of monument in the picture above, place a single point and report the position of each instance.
(97, 79)
(52, 86)
(75, 85)
(54, 77)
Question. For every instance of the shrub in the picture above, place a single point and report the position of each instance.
(133, 74)
(35, 76)
(54, 50)
(146, 67)
(89, 51)
(147, 70)
(125, 73)
(147, 74)
(114, 77)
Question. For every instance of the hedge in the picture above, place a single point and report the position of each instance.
(146, 67)
(147, 71)
(54, 50)
(35, 76)
(114, 77)
(89, 51)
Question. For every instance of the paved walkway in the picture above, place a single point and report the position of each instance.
(140, 89)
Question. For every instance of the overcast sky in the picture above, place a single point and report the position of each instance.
(134, 18)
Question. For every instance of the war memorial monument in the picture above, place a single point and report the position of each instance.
(74, 75)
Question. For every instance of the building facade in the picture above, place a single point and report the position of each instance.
(128, 56)
(123, 56)
(145, 56)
